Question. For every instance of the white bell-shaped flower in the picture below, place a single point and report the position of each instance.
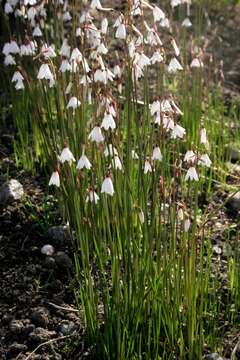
(121, 32)
(9, 60)
(157, 155)
(108, 122)
(76, 55)
(192, 174)
(73, 103)
(83, 162)
(96, 135)
(147, 167)
(175, 47)
(37, 32)
(134, 155)
(66, 155)
(196, 63)
(205, 160)
(92, 197)
(110, 150)
(190, 156)
(203, 136)
(55, 179)
(45, 73)
(178, 132)
(104, 26)
(107, 186)
(174, 66)
(157, 57)
(186, 23)
(158, 14)
(116, 163)
(65, 66)
(19, 85)
(17, 76)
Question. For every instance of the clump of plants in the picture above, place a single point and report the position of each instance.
(116, 103)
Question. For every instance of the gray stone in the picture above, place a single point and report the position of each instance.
(40, 316)
(16, 347)
(40, 335)
(10, 191)
(50, 263)
(213, 356)
(234, 202)
(47, 250)
(58, 235)
(67, 328)
(16, 326)
(233, 153)
(63, 260)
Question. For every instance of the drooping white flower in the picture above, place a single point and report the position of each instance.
(65, 49)
(196, 63)
(108, 122)
(96, 135)
(147, 167)
(66, 155)
(55, 179)
(186, 23)
(117, 71)
(73, 103)
(48, 51)
(121, 32)
(101, 49)
(76, 55)
(95, 4)
(157, 155)
(67, 16)
(175, 3)
(187, 224)
(17, 76)
(9, 60)
(83, 162)
(155, 107)
(143, 61)
(92, 197)
(68, 88)
(141, 216)
(157, 57)
(190, 156)
(37, 32)
(205, 160)
(165, 23)
(110, 150)
(8, 9)
(178, 132)
(192, 174)
(65, 66)
(11, 48)
(203, 136)
(116, 163)
(134, 155)
(19, 85)
(104, 25)
(101, 76)
(107, 186)
(175, 47)
(45, 73)
(158, 14)
(174, 66)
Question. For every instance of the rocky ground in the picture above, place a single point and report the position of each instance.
(36, 301)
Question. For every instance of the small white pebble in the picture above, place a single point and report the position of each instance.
(47, 250)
